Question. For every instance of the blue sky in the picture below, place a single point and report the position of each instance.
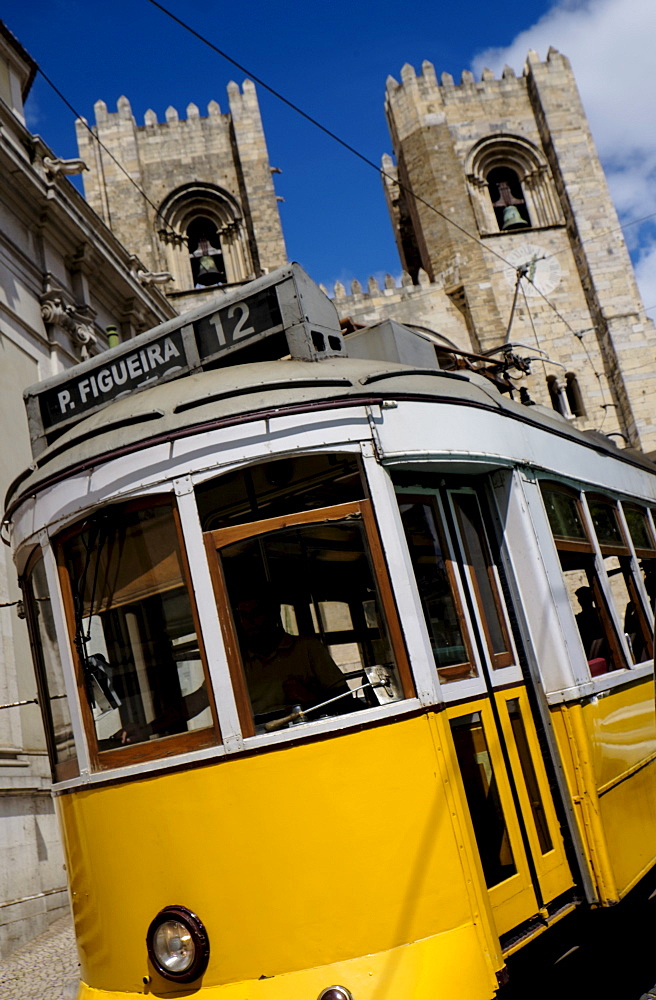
(332, 59)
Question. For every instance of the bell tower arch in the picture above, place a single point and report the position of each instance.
(210, 216)
(199, 220)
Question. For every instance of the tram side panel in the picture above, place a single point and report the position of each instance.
(605, 733)
(607, 745)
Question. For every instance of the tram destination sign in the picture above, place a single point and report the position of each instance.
(283, 313)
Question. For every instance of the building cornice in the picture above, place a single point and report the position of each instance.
(48, 202)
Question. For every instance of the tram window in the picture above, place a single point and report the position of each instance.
(135, 630)
(286, 485)
(564, 515)
(618, 565)
(483, 798)
(639, 529)
(645, 549)
(437, 591)
(482, 568)
(576, 553)
(334, 654)
(628, 606)
(597, 635)
(606, 525)
(52, 695)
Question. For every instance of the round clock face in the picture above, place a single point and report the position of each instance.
(543, 270)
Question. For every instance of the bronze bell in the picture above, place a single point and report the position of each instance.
(512, 219)
(208, 273)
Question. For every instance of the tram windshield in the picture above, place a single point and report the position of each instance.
(311, 629)
(135, 632)
(302, 591)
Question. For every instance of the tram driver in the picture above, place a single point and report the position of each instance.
(284, 671)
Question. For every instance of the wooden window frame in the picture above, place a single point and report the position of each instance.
(508, 657)
(587, 547)
(456, 671)
(61, 770)
(219, 538)
(164, 746)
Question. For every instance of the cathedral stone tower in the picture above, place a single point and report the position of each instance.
(211, 217)
(512, 163)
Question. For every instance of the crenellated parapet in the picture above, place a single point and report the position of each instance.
(425, 304)
(124, 113)
(415, 96)
(421, 99)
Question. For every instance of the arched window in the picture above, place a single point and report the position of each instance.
(574, 395)
(511, 186)
(205, 235)
(508, 199)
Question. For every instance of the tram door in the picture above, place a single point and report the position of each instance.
(504, 780)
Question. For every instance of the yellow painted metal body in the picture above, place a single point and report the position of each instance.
(513, 900)
(342, 860)
(351, 859)
(608, 748)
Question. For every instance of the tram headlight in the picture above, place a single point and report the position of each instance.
(335, 993)
(178, 945)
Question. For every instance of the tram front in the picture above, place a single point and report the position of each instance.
(242, 638)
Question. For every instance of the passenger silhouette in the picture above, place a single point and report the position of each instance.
(283, 670)
(589, 621)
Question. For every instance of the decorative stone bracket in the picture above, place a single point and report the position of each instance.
(145, 277)
(59, 309)
(169, 237)
(56, 166)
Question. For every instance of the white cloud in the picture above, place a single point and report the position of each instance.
(610, 44)
(646, 275)
(33, 116)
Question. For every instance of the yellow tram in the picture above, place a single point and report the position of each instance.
(345, 664)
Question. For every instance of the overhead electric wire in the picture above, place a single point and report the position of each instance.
(328, 132)
(606, 232)
(579, 336)
(351, 149)
(604, 405)
(598, 236)
(530, 316)
(313, 121)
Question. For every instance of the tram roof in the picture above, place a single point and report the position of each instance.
(270, 347)
(238, 394)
